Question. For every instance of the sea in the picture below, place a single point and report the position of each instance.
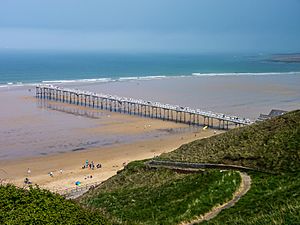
(19, 68)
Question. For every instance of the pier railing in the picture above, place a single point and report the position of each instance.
(178, 114)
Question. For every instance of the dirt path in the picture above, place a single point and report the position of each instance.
(243, 189)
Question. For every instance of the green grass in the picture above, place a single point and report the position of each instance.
(271, 146)
(139, 195)
(36, 206)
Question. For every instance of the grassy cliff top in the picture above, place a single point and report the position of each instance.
(272, 145)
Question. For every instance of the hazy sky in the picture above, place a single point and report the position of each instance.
(190, 26)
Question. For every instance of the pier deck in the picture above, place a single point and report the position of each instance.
(175, 113)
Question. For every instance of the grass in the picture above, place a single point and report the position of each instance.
(271, 146)
(139, 195)
(36, 206)
(272, 199)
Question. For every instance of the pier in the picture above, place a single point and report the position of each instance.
(139, 107)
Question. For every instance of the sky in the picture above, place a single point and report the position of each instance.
(182, 26)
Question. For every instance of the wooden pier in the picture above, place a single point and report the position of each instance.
(175, 113)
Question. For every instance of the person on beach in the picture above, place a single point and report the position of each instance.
(51, 174)
(28, 171)
(27, 181)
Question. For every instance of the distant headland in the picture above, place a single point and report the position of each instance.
(287, 58)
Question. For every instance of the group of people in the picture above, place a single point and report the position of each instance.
(91, 165)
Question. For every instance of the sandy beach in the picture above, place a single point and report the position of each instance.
(47, 136)
(112, 159)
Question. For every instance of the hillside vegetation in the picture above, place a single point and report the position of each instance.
(272, 145)
(36, 206)
(140, 195)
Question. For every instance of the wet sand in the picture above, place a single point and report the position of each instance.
(111, 159)
(31, 128)
(49, 136)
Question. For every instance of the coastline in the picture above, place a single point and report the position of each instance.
(53, 136)
(101, 80)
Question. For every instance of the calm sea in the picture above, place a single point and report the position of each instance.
(34, 67)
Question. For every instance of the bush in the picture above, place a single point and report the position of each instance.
(36, 206)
